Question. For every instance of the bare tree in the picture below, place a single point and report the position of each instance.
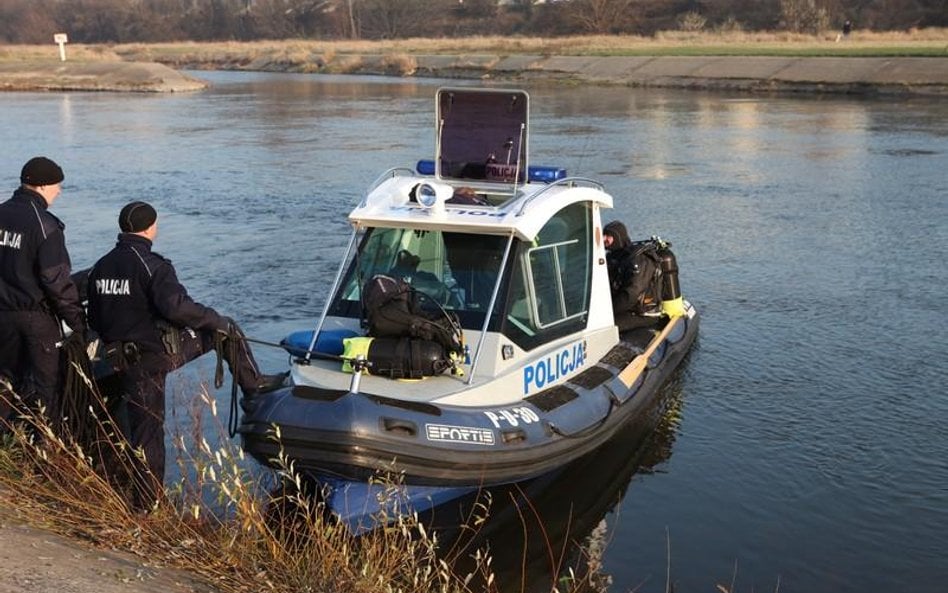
(745, 14)
(27, 21)
(355, 30)
(392, 19)
(268, 19)
(599, 16)
(99, 21)
(898, 14)
(803, 16)
(102, 21)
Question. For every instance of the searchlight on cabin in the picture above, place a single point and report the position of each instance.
(432, 196)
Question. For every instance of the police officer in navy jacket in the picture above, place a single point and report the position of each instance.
(36, 290)
(138, 307)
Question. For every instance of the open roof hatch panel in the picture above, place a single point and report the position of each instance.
(482, 135)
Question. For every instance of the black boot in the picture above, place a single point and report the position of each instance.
(267, 383)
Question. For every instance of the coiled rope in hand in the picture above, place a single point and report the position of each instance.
(81, 401)
(226, 347)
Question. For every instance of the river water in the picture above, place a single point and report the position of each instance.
(807, 445)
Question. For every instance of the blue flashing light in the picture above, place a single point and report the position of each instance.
(545, 174)
(537, 174)
(425, 167)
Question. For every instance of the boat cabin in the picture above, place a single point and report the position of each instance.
(512, 253)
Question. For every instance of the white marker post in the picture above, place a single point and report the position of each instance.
(61, 39)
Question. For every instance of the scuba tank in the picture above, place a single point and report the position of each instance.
(406, 358)
(672, 303)
(397, 358)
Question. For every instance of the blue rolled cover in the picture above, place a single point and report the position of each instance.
(329, 342)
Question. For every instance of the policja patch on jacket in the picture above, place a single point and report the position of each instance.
(112, 286)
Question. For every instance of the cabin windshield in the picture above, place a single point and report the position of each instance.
(456, 270)
(544, 294)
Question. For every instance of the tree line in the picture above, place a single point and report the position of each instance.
(149, 21)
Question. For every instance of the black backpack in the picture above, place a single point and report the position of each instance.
(392, 310)
(637, 279)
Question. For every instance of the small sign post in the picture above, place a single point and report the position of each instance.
(61, 39)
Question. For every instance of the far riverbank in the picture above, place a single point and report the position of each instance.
(865, 76)
(911, 63)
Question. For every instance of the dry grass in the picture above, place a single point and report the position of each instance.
(400, 64)
(219, 521)
(936, 38)
(925, 42)
(223, 521)
(77, 52)
(342, 56)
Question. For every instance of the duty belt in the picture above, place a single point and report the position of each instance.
(121, 355)
(170, 338)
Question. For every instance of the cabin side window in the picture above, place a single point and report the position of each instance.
(550, 278)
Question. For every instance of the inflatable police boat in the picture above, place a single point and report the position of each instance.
(468, 339)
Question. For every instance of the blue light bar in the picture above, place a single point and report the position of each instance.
(425, 167)
(536, 174)
(545, 174)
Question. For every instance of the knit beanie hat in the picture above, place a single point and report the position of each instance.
(135, 217)
(41, 171)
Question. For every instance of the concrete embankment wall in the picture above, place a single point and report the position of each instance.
(837, 75)
(868, 76)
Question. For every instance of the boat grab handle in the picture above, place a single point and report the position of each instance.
(569, 181)
(393, 172)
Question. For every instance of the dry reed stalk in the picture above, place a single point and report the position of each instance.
(224, 521)
(215, 520)
(401, 64)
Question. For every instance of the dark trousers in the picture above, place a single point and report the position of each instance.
(143, 386)
(30, 360)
